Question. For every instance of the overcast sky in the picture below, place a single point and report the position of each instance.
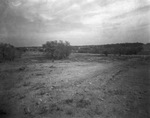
(81, 22)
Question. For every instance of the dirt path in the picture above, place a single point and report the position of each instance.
(71, 89)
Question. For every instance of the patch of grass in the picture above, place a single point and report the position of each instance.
(116, 92)
(21, 69)
(25, 84)
(42, 92)
(69, 112)
(98, 110)
(37, 86)
(39, 74)
(21, 96)
(43, 109)
(54, 107)
(52, 66)
(83, 103)
(68, 101)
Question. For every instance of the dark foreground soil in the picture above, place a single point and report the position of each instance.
(83, 86)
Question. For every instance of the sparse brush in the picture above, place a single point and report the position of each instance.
(8, 52)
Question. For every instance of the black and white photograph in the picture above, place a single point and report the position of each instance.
(74, 58)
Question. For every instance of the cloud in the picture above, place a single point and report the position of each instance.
(16, 3)
(79, 21)
(134, 12)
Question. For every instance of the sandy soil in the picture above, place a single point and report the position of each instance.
(83, 86)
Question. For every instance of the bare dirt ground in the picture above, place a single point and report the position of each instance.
(83, 86)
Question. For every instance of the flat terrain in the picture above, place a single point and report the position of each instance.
(82, 86)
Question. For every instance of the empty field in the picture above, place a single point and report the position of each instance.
(82, 86)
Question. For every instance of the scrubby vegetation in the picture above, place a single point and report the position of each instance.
(85, 85)
(57, 49)
(8, 52)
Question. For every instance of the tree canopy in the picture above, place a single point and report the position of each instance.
(57, 49)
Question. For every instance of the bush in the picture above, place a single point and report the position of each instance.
(57, 50)
(8, 52)
(105, 53)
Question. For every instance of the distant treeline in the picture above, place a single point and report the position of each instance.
(63, 49)
(117, 49)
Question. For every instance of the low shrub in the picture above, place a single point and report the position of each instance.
(57, 50)
(8, 52)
